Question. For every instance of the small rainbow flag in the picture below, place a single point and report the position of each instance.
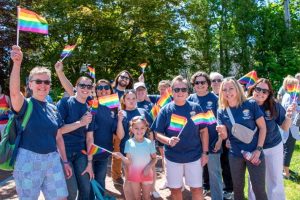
(111, 101)
(94, 105)
(249, 79)
(67, 51)
(293, 90)
(164, 100)
(143, 66)
(154, 111)
(207, 118)
(31, 22)
(177, 123)
(92, 71)
(95, 150)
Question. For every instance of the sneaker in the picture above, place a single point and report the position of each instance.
(164, 186)
(156, 195)
(227, 195)
(118, 181)
(205, 192)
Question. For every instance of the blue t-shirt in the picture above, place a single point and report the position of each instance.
(154, 98)
(273, 136)
(189, 148)
(208, 102)
(146, 105)
(104, 125)
(129, 115)
(246, 115)
(119, 92)
(40, 133)
(71, 111)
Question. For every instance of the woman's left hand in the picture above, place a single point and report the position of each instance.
(204, 160)
(68, 170)
(89, 170)
(255, 157)
(218, 145)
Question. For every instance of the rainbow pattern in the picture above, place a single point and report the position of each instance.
(164, 100)
(207, 118)
(177, 123)
(92, 71)
(31, 22)
(94, 105)
(94, 150)
(293, 90)
(154, 111)
(249, 79)
(111, 101)
(67, 51)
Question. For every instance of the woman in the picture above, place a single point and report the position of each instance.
(209, 102)
(248, 114)
(274, 115)
(38, 166)
(187, 154)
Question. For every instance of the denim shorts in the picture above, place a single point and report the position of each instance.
(39, 172)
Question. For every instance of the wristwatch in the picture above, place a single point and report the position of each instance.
(259, 148)
(205, 153)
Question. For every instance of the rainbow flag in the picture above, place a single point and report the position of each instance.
(154, 111)
(293, 90)
(31, 22)
(67, 51)
(111, 101)
(143, 66)
(207, 118)
(94, 150)
(92, 71)
(177, 123)
(94, 105)
(249, 79)
(164, 100)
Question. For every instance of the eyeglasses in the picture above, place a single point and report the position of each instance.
(200, 82)
(83, 86)
(264, 91)
(101, 87)
(124, 78)
(176, 90)
(216, 80)
(39, 81)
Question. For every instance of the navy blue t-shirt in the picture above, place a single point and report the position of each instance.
(71, 111)
(145, 105)
(129, 115)
(246, 115)
(40, 133)
(119, 92)
(154, 98)
(208, 102)
(104, 125)
(189, 148)
(273, 136)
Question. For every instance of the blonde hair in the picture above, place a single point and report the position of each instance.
(289, 80)
(239, 90)
(179, 79)
(39, 70)
(165, 83)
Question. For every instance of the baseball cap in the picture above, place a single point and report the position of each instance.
(139, 84)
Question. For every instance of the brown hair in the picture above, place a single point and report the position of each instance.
(106, 82)
(179, 79)
(123, 106)
(130, 84)
(135, 120)
(83, 78)
(198, 74)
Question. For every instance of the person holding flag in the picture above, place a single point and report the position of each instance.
(186, 144)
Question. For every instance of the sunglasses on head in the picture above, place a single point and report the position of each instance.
(216, 80)
(176, 90)
(264, 91)
(101, 87)
(82, 86)
(124, 78)
(200, 82)
(39, 81)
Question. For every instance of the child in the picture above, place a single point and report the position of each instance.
(140, 159)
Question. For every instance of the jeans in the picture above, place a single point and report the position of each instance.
(215, 176)
(100, 169)
(289, 147)
(228, 186)
(78, 182)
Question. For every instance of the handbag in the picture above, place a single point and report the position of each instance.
(239, 131)
(97, 191)
(296, 121)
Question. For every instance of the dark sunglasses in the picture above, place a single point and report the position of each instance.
(101, 87)
(176, 90)
(38, 81)
(216, 80)
(200, 82)
(258, 89)
(82, 86)
(124, 77)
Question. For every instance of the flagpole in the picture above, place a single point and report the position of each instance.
(18, 11)
(103, 149)
(181, 131)
(64, 57)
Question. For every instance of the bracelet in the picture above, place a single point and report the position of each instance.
(89, 161)
(65, 162)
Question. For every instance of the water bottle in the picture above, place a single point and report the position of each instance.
(246, 154)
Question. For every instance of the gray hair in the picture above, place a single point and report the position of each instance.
(39, 70)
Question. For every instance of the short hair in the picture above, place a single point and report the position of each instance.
(297, 76)
(214, 74)
(179, 79)
(83, 78)
(39, 70)
(198, 74)
(289, 80)
(239, 90)
(164, 83)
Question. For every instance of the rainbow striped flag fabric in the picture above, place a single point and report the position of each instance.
(143, 66)
(94, 150)
(207, 118)
(249, 79)
(92, 71)
(154, 111)
(94, 105)
(177, 123)
(164, 100)
(293, 90)
(29, 21)
(67, 51)
(111, 101)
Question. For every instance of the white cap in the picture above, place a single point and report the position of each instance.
(139, 84)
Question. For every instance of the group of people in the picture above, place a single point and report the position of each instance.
(204, 156)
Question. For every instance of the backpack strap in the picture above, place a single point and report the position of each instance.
(230, 115)
(27, 114)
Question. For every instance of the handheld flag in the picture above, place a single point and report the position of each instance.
(207, 118)
(293, 90)
(95, 150)
(92, 71)
(111, 101)
(94, 105)
(164, 100)
(177, 123)
(154, 111)
(67, 51)
(143, 66)
(249, 79)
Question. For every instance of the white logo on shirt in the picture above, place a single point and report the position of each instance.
(209, 105)
(112, 114)
(192, 113)
(268, 115)
(246, 114)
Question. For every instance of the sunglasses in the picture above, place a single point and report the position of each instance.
(216, 80)
(124, 78)
(101, 87)
(176, 90)
(200, 82)
(264, 91)
(39, 82)
(83, 86)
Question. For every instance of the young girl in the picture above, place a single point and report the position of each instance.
(140, 159)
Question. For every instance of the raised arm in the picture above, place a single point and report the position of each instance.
(67, 85)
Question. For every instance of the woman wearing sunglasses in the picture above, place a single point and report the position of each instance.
(234, 106)
(274, 115)
(209, 102)
(38, 165)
